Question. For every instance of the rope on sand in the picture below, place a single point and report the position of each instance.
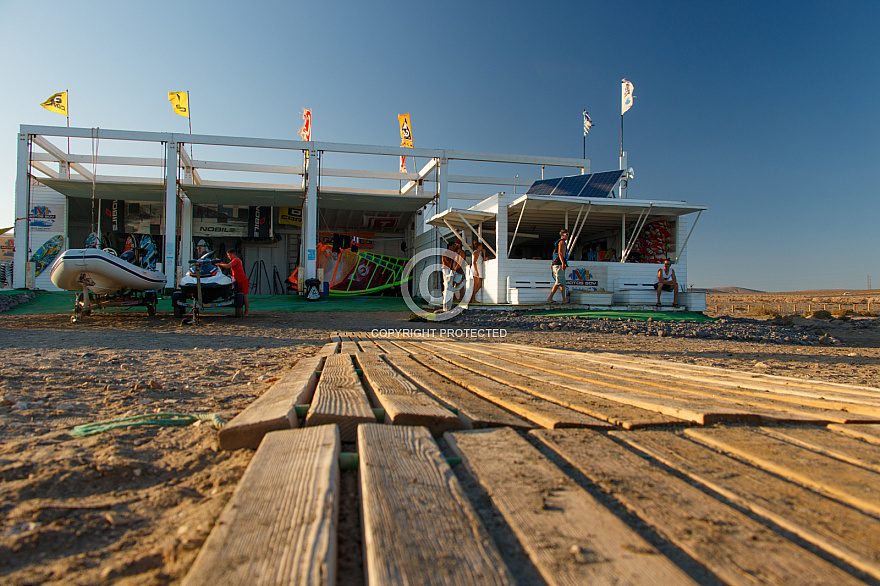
(88, 429)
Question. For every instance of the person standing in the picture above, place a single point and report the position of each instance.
(478, 264)
(666, 281)
(238, 275)
(559, 264)
(451, 264)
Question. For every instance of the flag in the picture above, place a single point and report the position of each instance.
(306, 131)
(57, 103)
(180, 103)
(626, 98)
(406, 139)
(588, 123)
(403, 164)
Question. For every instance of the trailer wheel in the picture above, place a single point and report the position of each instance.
(176, 298)
(151, 309)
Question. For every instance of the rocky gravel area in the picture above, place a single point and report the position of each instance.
(8, 302)
(786, 330)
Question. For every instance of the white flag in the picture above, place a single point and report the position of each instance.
(626, 98)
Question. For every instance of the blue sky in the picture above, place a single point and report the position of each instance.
(766, 112)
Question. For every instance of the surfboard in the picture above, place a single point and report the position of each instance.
(45, 254)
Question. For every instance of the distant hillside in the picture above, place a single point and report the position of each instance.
(728, 290)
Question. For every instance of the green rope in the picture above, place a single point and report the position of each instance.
(88, 429)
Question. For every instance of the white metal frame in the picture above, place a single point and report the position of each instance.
(176, 158)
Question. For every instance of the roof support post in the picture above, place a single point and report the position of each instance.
(443, 184)
(516, 231)
(477, 234)
(310, 219)
(186, 223)
(694, 225)
(170, 263)
(22, 206)
(579, 229)
(640, 223)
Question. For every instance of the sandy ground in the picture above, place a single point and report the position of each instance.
(134, 505)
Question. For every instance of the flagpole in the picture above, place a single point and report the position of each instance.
(68, 124)
(189, 118)
(621, 135)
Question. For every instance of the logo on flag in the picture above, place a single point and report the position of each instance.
(588, 123)
(403, 164)
(306, 131)
(180, 103)
(406, 139)
(626, 99)
(57, 103)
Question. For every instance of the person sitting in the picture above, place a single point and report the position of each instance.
(666, 281)
(610, 256)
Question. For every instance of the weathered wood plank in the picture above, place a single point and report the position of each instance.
(349, 348)
(701, 413)
(280, 525)
(736, 548)
(837, 528)
(368, 346)
(569, 536)
(388, 348)
(545, 414)
(769, 407)
(870, 432)
(556, 388)
(329, 348)
(841, 447)
(734, 378)
(403, 402)
(340, 398)
(419, 527)
(846, 482)
(474, 412)
(274, 409)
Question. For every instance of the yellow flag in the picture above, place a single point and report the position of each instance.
(406, 139)
(180, 102)
(57, 103)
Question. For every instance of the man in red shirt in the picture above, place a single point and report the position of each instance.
(241, 280)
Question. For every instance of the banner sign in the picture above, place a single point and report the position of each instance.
(290, 216)
(112, 215)
(259, 222)
(581, 280)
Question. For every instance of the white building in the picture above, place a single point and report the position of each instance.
(277, 199)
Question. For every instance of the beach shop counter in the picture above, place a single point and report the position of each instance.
(615, 249)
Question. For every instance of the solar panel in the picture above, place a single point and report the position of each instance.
(543, 187)
(594, 185)
(601, 184)
(571, 185)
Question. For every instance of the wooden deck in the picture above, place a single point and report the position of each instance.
(487, 463)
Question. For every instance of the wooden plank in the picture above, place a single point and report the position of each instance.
(570, 537)
(349, 348)
(328, 349)
(388, 348)
(700, 413)
(848, 483)
(418, 525)
(368, 346)
(402, 400)
(736, 548)
(559, 389)
(334, 337)
(771, 408)
(841, 447)
(735, 378)
(870, 432)
(279, 527)
(841, 530)
(545, 414)
(274, 409)
(474, 412)
(340, 398)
